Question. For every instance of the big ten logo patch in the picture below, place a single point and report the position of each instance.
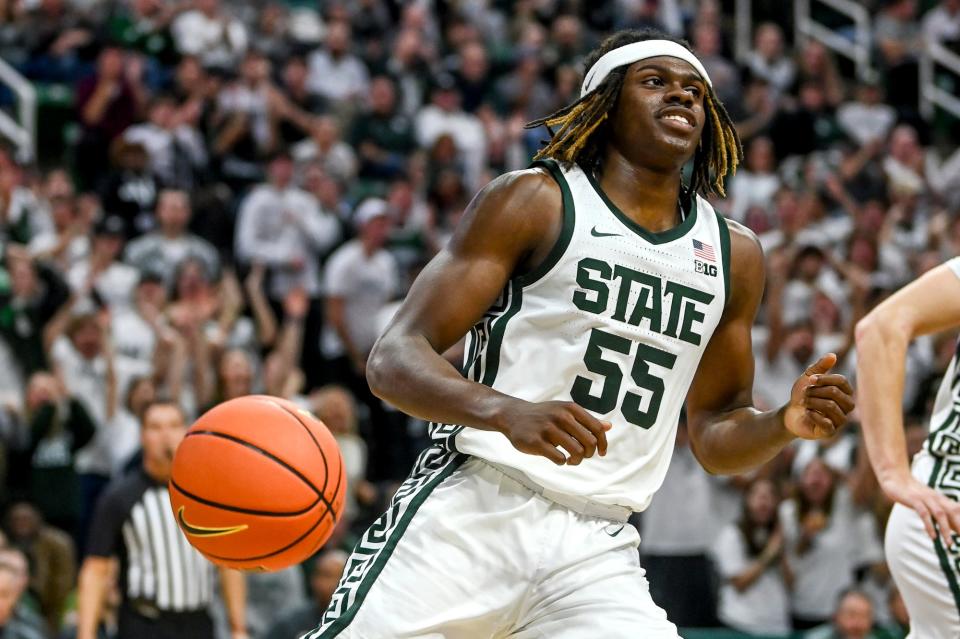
(708, 269)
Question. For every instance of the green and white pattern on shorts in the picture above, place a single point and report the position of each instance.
(375, 547)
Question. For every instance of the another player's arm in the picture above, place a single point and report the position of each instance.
(234, 586)
(928, 305)
(335, 309)
(95, 578)
(728, 435)
(509, 228)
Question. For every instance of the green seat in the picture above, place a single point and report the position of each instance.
(55, 113)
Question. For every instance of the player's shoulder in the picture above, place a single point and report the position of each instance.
(524, 207)
(747, 267)
(745, 247)
(534, 186)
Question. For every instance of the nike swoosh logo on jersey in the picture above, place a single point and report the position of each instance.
(615, 532)
(594, 232)
(203, 531)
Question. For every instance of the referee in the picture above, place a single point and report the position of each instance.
(167, 586)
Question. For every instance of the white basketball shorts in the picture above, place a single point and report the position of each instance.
(466, 552)
(927, 574)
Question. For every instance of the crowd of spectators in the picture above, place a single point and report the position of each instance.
(231, 198)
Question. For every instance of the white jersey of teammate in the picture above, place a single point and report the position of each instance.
(616, 320)
(928, 572)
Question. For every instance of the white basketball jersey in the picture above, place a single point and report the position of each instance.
(616, 320)
(938, 463)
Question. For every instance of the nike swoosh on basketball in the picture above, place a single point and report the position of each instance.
(594, 232)
(204, 531)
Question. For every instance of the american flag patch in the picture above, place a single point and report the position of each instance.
(704, 251)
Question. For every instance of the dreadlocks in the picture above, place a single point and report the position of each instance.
(578, 132)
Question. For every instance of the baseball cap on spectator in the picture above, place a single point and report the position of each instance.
(305, 26)
(112, 225)
(370, 209)
(444, 81)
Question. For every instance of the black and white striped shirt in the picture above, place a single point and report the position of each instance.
(134, 522)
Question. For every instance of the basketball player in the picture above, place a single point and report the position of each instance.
(921, 538)
(599, 293)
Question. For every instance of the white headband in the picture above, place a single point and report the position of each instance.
(630, 53)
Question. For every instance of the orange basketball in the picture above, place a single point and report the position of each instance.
(258, 484)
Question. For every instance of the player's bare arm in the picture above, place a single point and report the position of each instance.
(508, 230)
(928, 305)
(727, 433)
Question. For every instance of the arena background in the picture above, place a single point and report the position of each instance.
(185, 188)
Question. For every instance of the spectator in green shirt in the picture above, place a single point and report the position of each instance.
(382, 135)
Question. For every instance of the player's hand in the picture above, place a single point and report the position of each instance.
(549, 429)
(936, 510)
(819, 401)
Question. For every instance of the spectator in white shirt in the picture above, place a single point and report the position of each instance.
(335, 73)
(755, 577)
(165, 248)
(137, 331)
(828, 539)
(175, 148)
(942, 23)
(82, 360)
(867, 119)
(788, 346)
(22, 215)
(361, 278)
(768, 60)
(443, 116)
(283, 227)
(68, 241)
(82, 357)
(325, 147)
(209, 33)
(102, 271)
(757, 183)
(123, 431)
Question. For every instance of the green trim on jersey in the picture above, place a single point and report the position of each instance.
(492, 354)
(951, 417)
(566, 229)
(421, 483)
(689, 221)
(490, 350)
(724, 255)
(470, 356)
(938, 544)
